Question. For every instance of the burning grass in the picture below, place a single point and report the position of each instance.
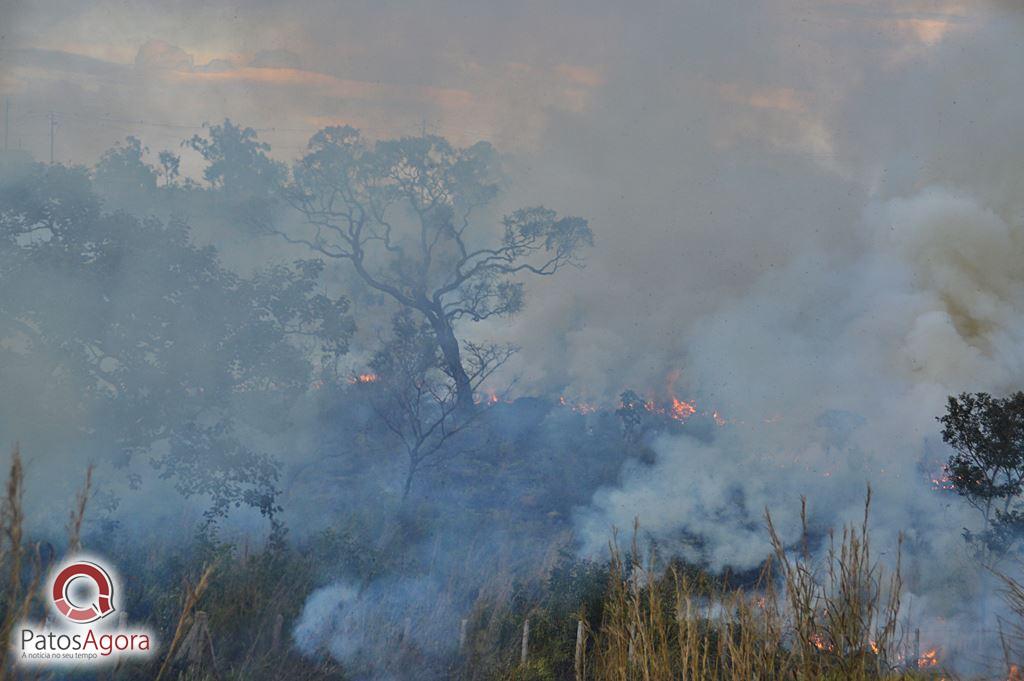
(837, 621)
(835, 618)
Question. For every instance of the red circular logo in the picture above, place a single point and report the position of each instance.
(83, 613)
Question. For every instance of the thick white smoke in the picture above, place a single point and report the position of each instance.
(832, 361)
(831, 375)
(826, 262)
(375, 630)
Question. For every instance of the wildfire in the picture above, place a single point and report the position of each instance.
(942, 481)
(928, 659)
(489, 397)
(681, 409)
(820, 643)
(579, 407)
(363, 378)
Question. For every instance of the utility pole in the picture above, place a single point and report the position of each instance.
(53, 126)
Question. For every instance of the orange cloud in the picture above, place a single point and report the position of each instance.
(328, 85)
(581, 75)
(777, 99)
(926, 31)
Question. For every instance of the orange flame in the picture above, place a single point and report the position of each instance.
(363, 378)
(681, 409)
(943, 480)
(820, 643)
(583, 408)
(490, 397)
(928, 659)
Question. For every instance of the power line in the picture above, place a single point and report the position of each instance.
(53, 128)
(422, 127)
(173, 126)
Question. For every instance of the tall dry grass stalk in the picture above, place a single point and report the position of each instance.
(846, 622)
(77, 515)
(837, 621)
(19, 589)
(15, 597)
(1011, 632)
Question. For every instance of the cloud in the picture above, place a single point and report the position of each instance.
(581, 75)
(159, 54)
(276, 59)
(217, 66)
(58, 63)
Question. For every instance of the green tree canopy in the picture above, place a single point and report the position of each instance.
(153, 337)
(987, 466)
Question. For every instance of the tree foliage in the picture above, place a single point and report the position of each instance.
(236, 161)
(123, 170)
(987, 466)
(152, 336)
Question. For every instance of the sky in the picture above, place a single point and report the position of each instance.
(506, 72)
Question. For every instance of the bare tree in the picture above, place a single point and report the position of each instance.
(400, 211)
(416, 397)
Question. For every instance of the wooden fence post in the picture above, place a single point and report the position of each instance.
(196, 650)
(275, 633)
(406, 630)
(581, 643)
(525, 650)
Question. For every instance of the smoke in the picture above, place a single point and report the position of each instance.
(830, 376)
(832, 364)
(368, 628)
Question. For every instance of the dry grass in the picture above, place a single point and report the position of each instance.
(831, 619)
(77, 515)
(834, 621)
(1012, 632)
(16, 597)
